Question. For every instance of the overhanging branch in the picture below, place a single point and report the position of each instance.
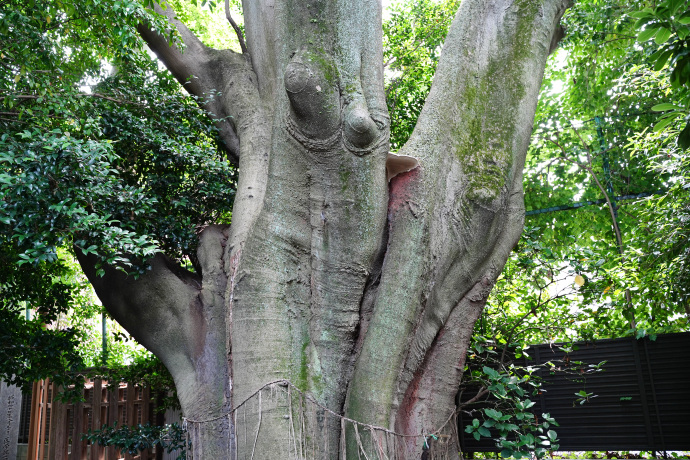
(143, 306)
(176, 315)
(203, 72)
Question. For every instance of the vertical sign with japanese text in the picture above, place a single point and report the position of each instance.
(10, 405)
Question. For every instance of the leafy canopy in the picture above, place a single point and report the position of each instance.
(100, 152)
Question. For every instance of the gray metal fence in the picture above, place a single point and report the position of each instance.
(641, 402)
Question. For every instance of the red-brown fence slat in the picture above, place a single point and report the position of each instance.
(77, 426)
(113, 400)
(46, 394)
(57, 433)
(97, 418)
(130, 412)
(145, 417)
(55, 425)
(34, 418)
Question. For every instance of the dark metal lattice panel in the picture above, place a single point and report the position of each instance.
(24, 418)
(642, 397)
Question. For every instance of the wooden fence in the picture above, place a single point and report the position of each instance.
(56, 428)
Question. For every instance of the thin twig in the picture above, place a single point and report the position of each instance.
(234, 25)
(483, 391)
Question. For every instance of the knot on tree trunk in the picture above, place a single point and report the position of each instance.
(363, 130)
(320, 117)
(311, 82)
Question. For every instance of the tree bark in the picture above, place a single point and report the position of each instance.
(332, 319)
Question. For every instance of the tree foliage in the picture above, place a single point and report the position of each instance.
(28, 350)
(100, 151)
(413, 40)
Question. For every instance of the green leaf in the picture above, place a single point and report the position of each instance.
(684, 137)
(663, 124)
(642, 21)
(493, 413)
(647, 34)
(666, 106)
(674, 5)
(662, 59)
(491, 372)
(662, 35)
(644, 13)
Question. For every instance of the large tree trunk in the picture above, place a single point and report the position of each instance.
(332, 318)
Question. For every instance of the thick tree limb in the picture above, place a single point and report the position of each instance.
(244, 125)
(203, 72)
(177, 316)
(152, 307)
(454, 220)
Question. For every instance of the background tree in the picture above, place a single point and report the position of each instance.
(595, 144)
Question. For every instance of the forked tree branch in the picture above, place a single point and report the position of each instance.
(471, 140)
(145, 306)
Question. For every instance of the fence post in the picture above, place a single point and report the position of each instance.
(145, 416)
(129, 411)
(80, 416)
(50, 430)
(46, 396)
(113, 405)
(33, 420)
(78, 411)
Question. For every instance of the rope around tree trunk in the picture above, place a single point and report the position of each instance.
(288, 386)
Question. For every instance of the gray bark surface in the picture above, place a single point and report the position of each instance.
(332, 318)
